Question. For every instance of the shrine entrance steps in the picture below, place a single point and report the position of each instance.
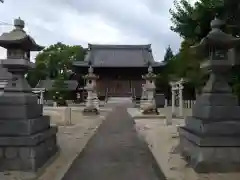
(115, 152)
(116, 101)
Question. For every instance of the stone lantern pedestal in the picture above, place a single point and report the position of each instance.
(148, 103)
(92, 101)
(210, 139)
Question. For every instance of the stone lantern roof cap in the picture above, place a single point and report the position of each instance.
(18, 38)
(216, 38)
(216, 23)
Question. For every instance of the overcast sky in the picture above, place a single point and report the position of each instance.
(80, 22)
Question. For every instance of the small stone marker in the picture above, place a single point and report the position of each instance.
(168, 120)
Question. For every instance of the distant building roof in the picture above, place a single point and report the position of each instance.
(48, 84)
(118, 56)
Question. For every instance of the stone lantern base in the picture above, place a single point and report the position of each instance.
(91, 110)
(26, 139)
(92, 106)
(27, 153)
(210, 139)
(210, 153)
(148, 107)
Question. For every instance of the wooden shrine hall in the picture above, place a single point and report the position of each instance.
(119, 67)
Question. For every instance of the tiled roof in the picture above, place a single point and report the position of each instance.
(48, 84)
(119, 56)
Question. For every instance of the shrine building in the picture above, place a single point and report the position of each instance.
(119, 67)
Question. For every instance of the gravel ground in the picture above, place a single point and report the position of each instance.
(163, 141)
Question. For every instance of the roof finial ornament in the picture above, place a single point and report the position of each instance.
(216, 23)
(150, 69)
(90, 69)
(19, 23)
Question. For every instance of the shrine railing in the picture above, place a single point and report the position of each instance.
(188, 104)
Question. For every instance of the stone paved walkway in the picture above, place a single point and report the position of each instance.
(115, 153)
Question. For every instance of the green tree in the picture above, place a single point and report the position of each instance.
(59, 91)
(168, 55)
(34, 75)
(162, 78)
(55, 60)
(232, 14)
(185, 65)
(192, 21)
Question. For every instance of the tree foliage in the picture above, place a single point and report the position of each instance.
(192, 23)
(162, 79)
(59, 90)
(168, 55)
(54, 61)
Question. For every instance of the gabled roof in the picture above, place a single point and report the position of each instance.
(118, 56)
(48, 84)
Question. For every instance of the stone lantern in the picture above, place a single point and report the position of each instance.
(92, 102)
(210, 139)
(148, 104)
(26, 139)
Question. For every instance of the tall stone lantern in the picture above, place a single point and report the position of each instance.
(92, 102)
(26, 139)
(210, 138)
(148, 103)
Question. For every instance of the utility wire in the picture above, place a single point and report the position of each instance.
(5, 23)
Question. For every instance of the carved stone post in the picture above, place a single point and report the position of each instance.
(180, 88)
(41, 97)
(173, 98)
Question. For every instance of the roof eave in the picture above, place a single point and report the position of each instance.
(31, 44)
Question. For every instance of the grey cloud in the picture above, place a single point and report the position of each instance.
(150, 24)
(145, 18)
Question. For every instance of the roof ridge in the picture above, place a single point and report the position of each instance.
(119, 46)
